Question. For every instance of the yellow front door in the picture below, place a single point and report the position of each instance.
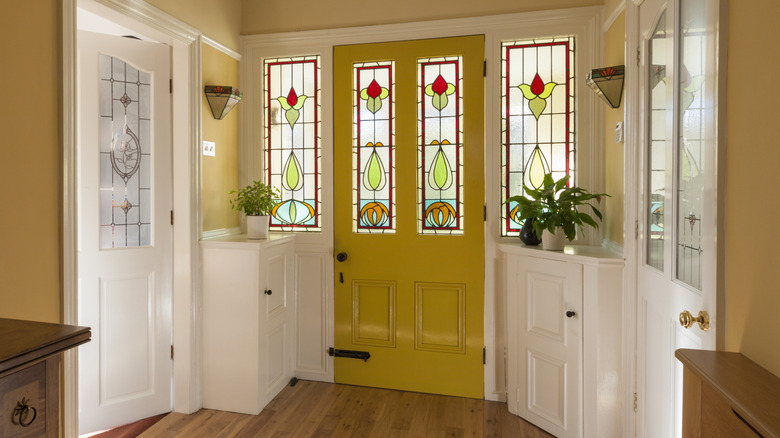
(409, 226)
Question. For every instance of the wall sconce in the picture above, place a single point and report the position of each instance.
(607, 82)
(221, 99)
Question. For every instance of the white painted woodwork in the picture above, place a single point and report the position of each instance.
(248, 335)
(313, 274)
(564, 373)
(125, 293)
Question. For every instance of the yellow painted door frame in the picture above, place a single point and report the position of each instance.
(413, 300)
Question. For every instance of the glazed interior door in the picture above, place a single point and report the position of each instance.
(677, 271)
(409, 196)
(124, 230)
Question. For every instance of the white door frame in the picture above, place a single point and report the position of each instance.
(186, 72)
(584, 22)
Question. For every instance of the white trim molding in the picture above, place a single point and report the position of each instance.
(221, 47)
(610, 20)
(584, 23)
(185, 42)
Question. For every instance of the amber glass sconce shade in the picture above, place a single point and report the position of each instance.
(221, 99)
(607, 82)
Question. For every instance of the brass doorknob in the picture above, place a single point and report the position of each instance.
(687, 320)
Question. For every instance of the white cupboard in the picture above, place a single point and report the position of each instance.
(248, 321)
(564, 343)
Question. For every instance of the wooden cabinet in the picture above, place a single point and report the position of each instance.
(30, 375)
(728, 395)
(248, 328)
(564, 319)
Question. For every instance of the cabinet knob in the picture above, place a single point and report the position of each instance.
(268, 292)
(341, 256)
(570, 314)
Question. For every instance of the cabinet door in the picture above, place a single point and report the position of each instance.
(545, 336)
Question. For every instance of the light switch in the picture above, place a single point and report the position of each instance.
(209, 148)
(619, 132)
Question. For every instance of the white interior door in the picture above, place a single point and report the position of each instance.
(124, 229)
(677, 201)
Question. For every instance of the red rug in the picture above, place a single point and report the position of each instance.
(131, 430)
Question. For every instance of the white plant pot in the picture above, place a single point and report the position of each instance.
(554, 242)
(257, 227)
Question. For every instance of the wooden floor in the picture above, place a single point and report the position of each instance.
(316, 409)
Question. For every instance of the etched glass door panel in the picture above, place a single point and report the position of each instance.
(125, 154)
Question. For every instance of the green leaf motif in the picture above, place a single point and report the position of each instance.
(439, 101)
(535, 169)
(440, 173)
(292, 116)
(374, 104)
(293, 213)
(374, 175)
(537, 105)
(292, 174)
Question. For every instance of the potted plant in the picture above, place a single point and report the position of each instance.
(554, 210)
(256, 201)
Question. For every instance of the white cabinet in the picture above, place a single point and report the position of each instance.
(248, 321)
(564, 317)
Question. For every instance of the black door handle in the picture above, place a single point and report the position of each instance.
(341, 256)
(268, 292)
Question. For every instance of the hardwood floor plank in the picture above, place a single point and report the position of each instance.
(316, 409)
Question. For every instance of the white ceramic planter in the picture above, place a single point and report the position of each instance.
(554, 242)
(257, 227)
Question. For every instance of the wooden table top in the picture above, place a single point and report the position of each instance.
(752, 391)
(22, 342)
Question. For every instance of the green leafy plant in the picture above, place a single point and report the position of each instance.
(256, 199)
(555, 205)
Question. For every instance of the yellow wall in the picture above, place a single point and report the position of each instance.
(220, 173)
(614, 54)
(752, 212)
(262, 16)
(217, 19)
(30, 163)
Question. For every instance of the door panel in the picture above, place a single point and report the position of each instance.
(409, 215)
(124, 230)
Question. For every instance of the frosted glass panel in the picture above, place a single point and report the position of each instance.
(656, 149)
(125, 154)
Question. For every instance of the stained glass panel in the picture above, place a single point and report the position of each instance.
(537, 118)
(440, 151)
(373, 147)
(691, 167)
(292, 96)
(656, 151)
(125, 155)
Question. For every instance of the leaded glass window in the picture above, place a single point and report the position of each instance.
(373, 146)
(656, 152)
(691, 150)
(537, 118)
(125, 154)
(293, 155)
(440, 151)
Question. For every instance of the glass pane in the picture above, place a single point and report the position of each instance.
(537, 117)
(691, 149)
(292, 123)
(125, 154)
(440, 130)
(656, 155)
(373, 147)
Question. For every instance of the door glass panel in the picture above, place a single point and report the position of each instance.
(690, 172)
(440, 151)
(125, 155)
(373, 147)
(292, 96)
(537, 118)
(656, 155)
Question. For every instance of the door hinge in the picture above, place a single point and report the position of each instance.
(638, 56)
(635, 402)
(171, 352)
(484, 355)
(636, 229)
(484, 68)
(484, 213)
(170, 86)
(171, 217)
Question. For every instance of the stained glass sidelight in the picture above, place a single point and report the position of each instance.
(440, 148)
(373, 147)
(691, 150)
(537, 118)
(656, 151)
(292, 123)
(125, 155)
